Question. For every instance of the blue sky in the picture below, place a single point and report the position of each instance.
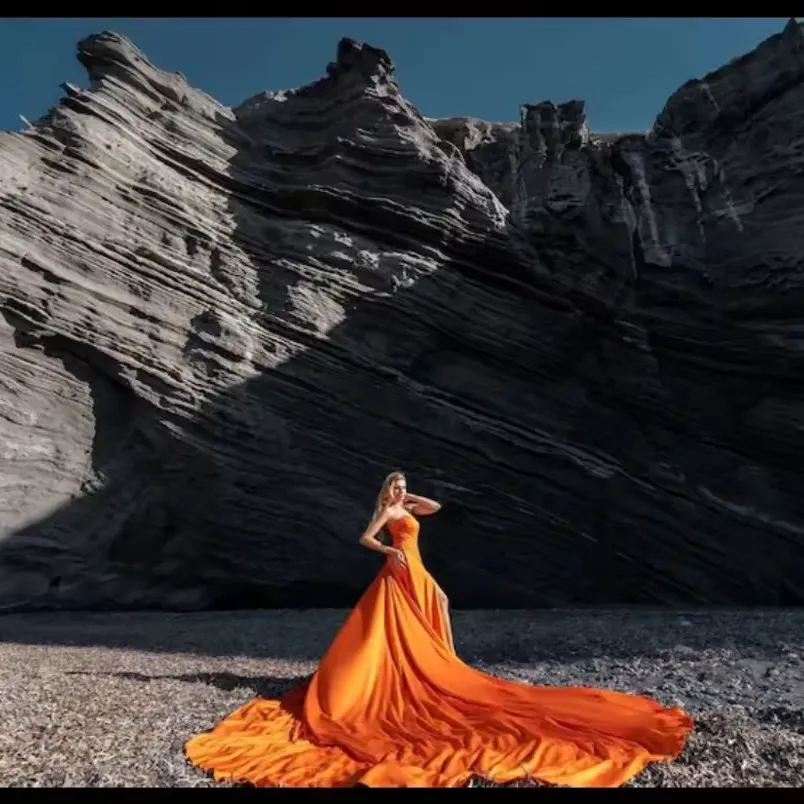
(624, 69)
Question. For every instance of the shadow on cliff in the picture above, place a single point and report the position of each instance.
(260, 501)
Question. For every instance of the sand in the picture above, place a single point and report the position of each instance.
(101, 700)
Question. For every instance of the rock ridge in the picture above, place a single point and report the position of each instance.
(221, 327)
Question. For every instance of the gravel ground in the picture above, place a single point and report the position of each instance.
(109, 699)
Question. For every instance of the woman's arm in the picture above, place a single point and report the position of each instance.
(421, 506)
(369, 538)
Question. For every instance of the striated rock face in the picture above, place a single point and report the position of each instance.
(222, 327)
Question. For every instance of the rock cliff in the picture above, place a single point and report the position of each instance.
(222, 327)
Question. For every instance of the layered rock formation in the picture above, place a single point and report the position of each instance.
(222, 327)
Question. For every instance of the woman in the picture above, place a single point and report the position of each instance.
(392, 705)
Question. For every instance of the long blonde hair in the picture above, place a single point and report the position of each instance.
(382, 497)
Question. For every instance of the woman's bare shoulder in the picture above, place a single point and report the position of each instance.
(395, 512)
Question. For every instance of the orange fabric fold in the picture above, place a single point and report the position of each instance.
(392, 705)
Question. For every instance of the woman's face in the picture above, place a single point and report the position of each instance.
(398, 489)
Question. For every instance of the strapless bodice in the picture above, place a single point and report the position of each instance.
(404, 531)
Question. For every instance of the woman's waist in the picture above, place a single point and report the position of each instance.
(408, 544)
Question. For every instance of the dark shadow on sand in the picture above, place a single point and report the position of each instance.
(263, 686)
(512, 638)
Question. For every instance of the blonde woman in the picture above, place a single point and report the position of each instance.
(394, 511)
(391, 704)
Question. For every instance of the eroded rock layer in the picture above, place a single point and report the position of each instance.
(222, 327)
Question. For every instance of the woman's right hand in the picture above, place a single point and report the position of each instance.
(398, 556)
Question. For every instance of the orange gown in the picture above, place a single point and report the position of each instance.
(391, 704)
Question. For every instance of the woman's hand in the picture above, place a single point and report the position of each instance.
(397, 556)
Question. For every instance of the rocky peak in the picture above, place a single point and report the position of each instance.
(728, 97)
(358, 69)
(552, 128)
(110, 57)
(372, 63)
(108, 51)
